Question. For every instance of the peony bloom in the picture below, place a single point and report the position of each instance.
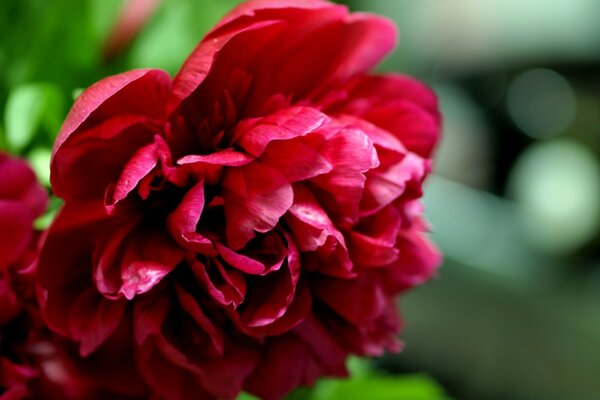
(248, 224)
(22, 200)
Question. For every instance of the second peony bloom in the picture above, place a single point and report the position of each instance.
(246, 225)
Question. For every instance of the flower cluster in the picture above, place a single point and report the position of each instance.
(245, 225)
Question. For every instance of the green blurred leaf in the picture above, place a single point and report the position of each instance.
(76, 92)
(302, 393)
(246, 396)
(368, 383)
(30, 109)
(39, 159)
(2, 139)
(45, 220)
(359, 367)
(414, 387)
(174, 31)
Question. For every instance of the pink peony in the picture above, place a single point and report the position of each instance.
(248, 224)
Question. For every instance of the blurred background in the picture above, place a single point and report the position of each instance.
(514, 203)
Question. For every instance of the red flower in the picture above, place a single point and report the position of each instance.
(22, 200)
(249, 223)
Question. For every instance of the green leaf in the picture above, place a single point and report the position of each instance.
(174, 31)
(302, 393)
(76, 92)
(2, 139)
(246, 396)
(39, 159)
(359, 367)
(30, 109)
(413, 387)
(46, 219)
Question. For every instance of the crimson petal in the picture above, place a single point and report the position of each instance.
(256, 196)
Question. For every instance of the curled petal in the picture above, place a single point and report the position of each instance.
(198, 67)
(256, 196)
(209, 167)
(85, 166)
(110, 97)
(139, 166)
(227, 157)
(268, 257)
(297, 159)
(274, 42)
(249, 9)
(104, 128)
(282, 125)
(272, 294)
(351, 153)
(226, 287)
(182, 223)
(149, 256)
(308, 221)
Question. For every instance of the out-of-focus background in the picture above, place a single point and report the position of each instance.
(514, 203)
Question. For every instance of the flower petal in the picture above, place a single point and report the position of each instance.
(84, 167)
(209, 167)
(286, 363)
(398, 104)
(111, 97)
(351, 153)
(149, 313)
(373, 242)
(149, 256)
(15, 231)
(226, 287)
(417, 263)
(358, 300)
(19, 184)
(249, 9)
(194, 310)
(256, 196)
(182, 223)
(139, 166)
(77, 226)
(289, 123)
(92, 319)
(386, 185)
(272, 294)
